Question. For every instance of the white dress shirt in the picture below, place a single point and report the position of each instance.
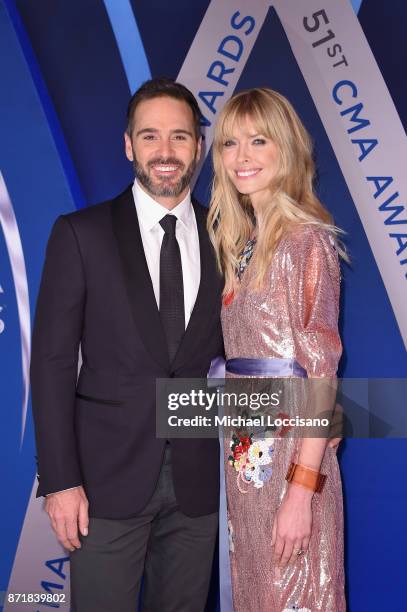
(149, 214)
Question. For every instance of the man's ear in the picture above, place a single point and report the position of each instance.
(128, 147)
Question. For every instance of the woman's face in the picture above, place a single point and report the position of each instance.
(251, 161)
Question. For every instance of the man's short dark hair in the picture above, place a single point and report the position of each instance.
(159, 88)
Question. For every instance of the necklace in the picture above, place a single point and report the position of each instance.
(245, 257)
(243, 261)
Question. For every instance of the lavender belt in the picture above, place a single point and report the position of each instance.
(265, 367)
(241, 367)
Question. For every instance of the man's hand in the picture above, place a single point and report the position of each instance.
(68, 510)
(334, 443)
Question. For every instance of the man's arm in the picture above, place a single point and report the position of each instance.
(54, 362)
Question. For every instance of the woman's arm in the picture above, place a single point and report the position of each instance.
(313, 296)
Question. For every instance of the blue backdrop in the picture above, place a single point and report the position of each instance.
(67, 72)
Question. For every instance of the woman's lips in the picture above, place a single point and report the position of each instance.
(246, 174)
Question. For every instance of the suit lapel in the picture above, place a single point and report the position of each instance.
(208, 293)
(137, 277)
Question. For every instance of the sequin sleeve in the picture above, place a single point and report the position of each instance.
(313, 277)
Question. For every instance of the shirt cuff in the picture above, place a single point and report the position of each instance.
(70, 489)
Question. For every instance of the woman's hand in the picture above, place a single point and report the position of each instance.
(292, 525)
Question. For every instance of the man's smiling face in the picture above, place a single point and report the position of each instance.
(164, 148)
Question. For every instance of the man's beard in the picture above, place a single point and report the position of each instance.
(164, 188)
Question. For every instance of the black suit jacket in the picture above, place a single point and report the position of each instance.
(100, 430)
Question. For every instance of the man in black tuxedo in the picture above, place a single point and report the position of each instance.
(132, 282)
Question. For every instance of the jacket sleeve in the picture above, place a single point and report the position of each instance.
(54, 360)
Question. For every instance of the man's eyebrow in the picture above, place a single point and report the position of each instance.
(155, 131)
(146, 130)
(180, 131)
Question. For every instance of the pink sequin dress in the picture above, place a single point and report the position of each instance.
(296, 317)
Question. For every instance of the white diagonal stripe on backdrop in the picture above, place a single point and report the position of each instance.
(38, 546)
(240, 25)
(14, 245)
(387, 158)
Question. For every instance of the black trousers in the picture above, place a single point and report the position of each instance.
(174, 553)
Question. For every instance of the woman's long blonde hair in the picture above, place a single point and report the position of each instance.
(231, 219)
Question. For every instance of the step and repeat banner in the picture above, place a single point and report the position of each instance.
(67, 71)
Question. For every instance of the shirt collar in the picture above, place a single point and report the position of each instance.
(150, 212)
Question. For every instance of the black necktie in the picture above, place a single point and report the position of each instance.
(171, 287)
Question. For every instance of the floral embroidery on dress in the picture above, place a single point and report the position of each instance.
(251, 458)
(291, 608)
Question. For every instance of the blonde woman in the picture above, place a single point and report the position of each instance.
(278, 250)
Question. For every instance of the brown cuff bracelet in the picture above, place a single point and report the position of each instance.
(306, 477)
